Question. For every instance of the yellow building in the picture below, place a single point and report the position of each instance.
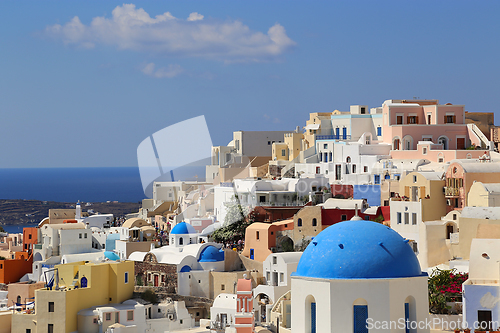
(81, 285)
(484, 195)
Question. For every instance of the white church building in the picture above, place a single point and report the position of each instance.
(358, 276)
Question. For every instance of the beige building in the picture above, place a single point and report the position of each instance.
(484, 195)
(471, 221)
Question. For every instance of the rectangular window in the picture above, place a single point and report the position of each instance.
(29, 236)
(399, 217)
(412, 120)
(28, 330)
(379, 131)
(283, 152)
(222, 287)
(275, 260)
(51, 306)
(365, 169)
(407, 218)
(130, 315)
(257, 235)
(80, 236)
(414, 218)
(282, 277)
(354, 168)
(449, 119)
(117, 317)
(429, 118)
(343, 217)
(50, 328)
(325, 146)
(108, 316)
(399, 120)
(85, 236)
(126, 277)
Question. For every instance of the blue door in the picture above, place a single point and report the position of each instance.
(83, 282)
(407, 317)
(377, 179)
(360, 317)
(344, 132)
(251, 254)
(313, 317)
(337, 133)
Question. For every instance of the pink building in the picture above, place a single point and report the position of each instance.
(406, 122)
(435, 153)
(244, 318)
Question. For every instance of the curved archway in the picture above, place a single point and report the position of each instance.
(285, 244)
(451, 227)
(311, 317)
(37, 257)
(396, 142)
(440, 157)
(407, 142)
(360, 315)
(410, 314)
(443, 139)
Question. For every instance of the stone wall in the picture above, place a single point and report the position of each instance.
(166, 275)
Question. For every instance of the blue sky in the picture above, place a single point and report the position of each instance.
(85, 92)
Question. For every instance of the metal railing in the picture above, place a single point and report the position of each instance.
(451, 191)
(333, 137)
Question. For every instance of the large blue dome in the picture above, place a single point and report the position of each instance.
(358, 250)
(182, 229)
(211, 254)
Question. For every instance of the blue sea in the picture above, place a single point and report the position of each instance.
(72, 184)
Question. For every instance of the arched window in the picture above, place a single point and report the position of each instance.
(348, 159)
(18, 299)
(299, 222)
(181, 241)
(83, 282)
(314, 222)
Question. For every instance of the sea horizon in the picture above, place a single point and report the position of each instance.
(72, 184)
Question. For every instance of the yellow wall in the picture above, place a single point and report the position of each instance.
(105, 284)
(5, 321)
(468, 231)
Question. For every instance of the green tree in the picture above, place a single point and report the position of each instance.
(238, 218)
(150, 296)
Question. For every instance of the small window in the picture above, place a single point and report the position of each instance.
(108, 316)
(282, 277)
(354, 168)
(424, 151)
(314, 222)
(29, 236)
(275, 260)
(197, 314)
(130, 315)
(80, 236)
(181, 321)
(50, 328)
(365, 169)
(343, 217)
(407, 218)
(257, 235)
(454, 216)
(399, 218)
(28, 330)
(399, 120)
(51, 306)
(283, 152)
(325, 146)
(222, 287)
(268, 143)
(85, 236)
(299, 222)
(126, 277)
(414, 218)
(414, 178)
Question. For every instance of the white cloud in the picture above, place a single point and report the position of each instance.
(130, 28)
(168, 72)
(195, 17)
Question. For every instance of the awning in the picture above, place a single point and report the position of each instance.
(312, 127)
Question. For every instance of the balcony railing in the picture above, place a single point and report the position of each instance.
(451, 191)
(333, 137)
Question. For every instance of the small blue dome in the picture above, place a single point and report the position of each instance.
(211, 254)
(111, 255)
(185, 269)
(358, 250)
(182, 229)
